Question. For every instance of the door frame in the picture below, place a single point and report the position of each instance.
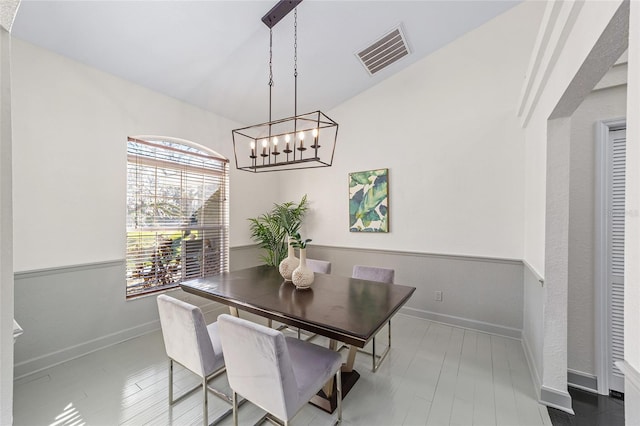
(601, 297)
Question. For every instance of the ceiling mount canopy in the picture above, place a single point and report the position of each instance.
(279, 11)
(301, 141)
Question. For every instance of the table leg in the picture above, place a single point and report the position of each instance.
(326, 399)
(328, 387)
(351, 359)
(333, 344)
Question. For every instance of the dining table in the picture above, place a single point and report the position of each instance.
(343, 309)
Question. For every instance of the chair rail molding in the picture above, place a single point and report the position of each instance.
(534, 271)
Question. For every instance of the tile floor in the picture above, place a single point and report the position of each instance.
(434, 375)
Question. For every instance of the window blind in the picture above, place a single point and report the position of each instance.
(177, 214)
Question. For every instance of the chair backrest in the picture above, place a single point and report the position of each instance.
(372, 273)
(258, 365)
(186, 338)
(319, 266)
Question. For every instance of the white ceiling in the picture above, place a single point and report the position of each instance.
(214, 54)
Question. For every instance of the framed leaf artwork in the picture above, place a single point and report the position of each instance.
(369, 201)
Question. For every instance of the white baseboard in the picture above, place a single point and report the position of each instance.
(34, 365)
(553, 397)
(556, 399)
(486, 327)
(631, 375)
(586, 382)
(212, 310)
(536, 379)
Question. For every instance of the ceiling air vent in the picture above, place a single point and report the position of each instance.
(384, 52)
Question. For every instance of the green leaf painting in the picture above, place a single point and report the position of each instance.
(369, 201)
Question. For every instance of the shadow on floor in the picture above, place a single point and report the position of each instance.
(591, 410)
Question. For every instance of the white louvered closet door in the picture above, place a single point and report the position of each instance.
(616, 182)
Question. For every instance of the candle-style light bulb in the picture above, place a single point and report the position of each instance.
(275, 146)
(287, 139)
(315, 139)
(301, 136)
(253, 149)
(264, 147)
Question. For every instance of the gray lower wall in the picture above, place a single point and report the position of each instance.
(533, 327)
(70, 311)
(480, 293)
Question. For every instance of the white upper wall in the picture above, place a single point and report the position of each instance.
(446, 129)
(70, 127)
(565, 78)
(585, 23)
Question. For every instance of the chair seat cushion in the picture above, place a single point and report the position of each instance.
(313, 366)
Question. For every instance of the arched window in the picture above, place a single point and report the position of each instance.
(177, 213)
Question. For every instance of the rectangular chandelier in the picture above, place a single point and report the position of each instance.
(301, 142)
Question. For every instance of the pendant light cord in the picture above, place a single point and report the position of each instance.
(295, 62)
(270, 69)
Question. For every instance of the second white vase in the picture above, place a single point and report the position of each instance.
(289, 263)
(302, 276)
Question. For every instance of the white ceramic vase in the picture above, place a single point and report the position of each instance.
(289, 263)
(302, 276)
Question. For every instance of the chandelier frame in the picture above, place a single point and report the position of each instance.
(256, 147)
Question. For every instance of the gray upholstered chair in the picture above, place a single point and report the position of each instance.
(319, 266)
(278, 374)
(192, 343)
(384, 275)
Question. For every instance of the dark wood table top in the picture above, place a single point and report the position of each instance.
(346, 309)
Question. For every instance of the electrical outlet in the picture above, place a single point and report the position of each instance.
(438, 296)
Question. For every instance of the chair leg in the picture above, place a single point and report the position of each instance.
(205, 389)
(339, 394)
(170, 381)
(234, 399)
(205, 403)
(381, 358)
(373, 355)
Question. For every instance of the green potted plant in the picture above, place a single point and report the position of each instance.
(271, 229)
